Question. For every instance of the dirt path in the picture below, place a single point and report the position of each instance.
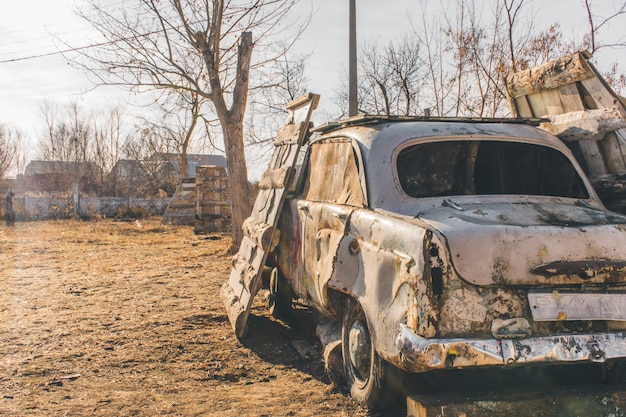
(124, 319)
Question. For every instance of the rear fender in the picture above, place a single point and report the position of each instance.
(371, 268)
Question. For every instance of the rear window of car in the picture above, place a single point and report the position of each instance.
(487, 167)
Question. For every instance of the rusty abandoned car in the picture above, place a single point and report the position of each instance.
(440, 244)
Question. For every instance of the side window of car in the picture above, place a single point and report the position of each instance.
(332, 174)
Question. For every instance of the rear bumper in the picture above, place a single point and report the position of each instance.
(419, 354)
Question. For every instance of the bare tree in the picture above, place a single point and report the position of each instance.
(200, 47)
(597, 22)
(437, 86)
(177, 118)
(109, 133)
(22, 151)
(479, 51)
(391, 78)
(67, 136)
(150, 169)
(592, 40)
(279, 82)
(9, 138)
(463, 52)
(275, 84)
(92, 141)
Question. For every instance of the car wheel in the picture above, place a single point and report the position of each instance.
(365, 372)
(280, 298)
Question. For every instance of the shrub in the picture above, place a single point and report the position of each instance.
(132, 213)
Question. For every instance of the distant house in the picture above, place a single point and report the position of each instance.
(59, 176)
(126, 176)
(154, 176)
(126, 168)
(157, 174)
(193, 161)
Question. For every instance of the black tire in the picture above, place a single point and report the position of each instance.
(366, 373)
(280, 298)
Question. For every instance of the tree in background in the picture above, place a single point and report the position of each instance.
(110, 158)
(596, 23)
(92, 141)
(149, 169)
(109, 137)
(68, 136)
(9, 140)
(204, 48)
(471, 51)
(455, 61)
(178, 119)
(280, 81)
(594, 42)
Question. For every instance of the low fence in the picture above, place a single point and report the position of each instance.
(44, 208)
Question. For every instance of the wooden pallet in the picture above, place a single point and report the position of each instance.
(259, 230)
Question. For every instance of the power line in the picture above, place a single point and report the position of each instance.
(80, 48)
(65, 51)
(114, 7)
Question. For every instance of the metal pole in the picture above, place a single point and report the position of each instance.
(352, 72)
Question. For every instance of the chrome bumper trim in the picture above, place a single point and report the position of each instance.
(419, 354)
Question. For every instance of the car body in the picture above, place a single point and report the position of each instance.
(444, 244)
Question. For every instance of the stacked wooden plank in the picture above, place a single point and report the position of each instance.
(584, 112)
(213, 210)
(182, 207)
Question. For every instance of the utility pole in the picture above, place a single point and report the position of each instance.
(352, 73)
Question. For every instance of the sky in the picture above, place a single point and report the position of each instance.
(31, 72)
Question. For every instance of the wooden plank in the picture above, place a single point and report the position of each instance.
(275, 178)
(570, 98)
(260, 233)
(523, 109)
(552, 101)
(600, 94)
(593, 157)
(535, 102)
(554, 74)
(288, 134)
(599, 401)
(613, 147)
(586, 124)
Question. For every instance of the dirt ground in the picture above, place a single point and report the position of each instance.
(113, 318)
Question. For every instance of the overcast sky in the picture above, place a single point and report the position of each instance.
(25, 28)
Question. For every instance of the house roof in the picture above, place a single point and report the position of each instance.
(193, 161)
(55, 167)
(197, 159)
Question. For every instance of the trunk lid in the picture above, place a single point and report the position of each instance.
(504, 244)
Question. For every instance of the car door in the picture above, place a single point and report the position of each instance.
(331, 191)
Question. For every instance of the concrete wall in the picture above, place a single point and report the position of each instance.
(43, 208)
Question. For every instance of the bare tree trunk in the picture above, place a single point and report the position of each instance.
(232, 126)
(238, 180)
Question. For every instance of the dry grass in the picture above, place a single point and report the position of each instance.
(124, 319)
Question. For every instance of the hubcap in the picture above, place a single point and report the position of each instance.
(360, 348)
